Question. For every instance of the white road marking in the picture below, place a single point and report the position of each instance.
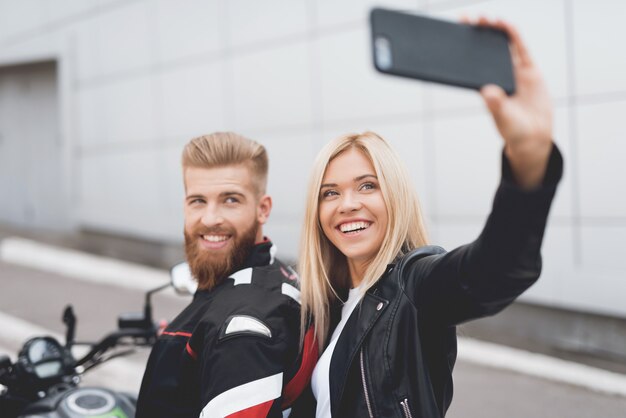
(15, 331)
(79, 265)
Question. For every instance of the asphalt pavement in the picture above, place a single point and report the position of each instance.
(34, 300)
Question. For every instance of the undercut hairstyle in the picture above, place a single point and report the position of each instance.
(221, 149)
(323, 268)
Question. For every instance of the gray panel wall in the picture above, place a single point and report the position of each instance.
(31, 179)
(139, 78)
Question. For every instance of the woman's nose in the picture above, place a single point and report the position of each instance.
(349, 203)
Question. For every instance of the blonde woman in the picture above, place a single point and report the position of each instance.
(384, 303)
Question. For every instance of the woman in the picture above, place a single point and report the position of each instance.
(385, 305)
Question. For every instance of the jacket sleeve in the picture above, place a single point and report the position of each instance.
(483, 277)
(245, 362)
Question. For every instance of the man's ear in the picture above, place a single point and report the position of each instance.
(264, 208)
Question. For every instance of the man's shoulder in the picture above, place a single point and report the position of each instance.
(274, 281)
(253, 299)
(275, 274)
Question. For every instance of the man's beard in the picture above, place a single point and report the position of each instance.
(210, 267)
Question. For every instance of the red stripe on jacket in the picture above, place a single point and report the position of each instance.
(296, 385)
(192, 353)
(177, 333)
(256, 411)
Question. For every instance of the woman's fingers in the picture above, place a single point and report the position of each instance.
(494, 98)
(516, 40)
(519, 51)
(484, 21)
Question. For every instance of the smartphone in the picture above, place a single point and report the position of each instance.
(428, 49)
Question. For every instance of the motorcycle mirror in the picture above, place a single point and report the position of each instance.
(143, 319)
(182, 280)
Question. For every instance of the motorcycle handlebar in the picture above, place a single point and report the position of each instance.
(140, 337)
(140, 328)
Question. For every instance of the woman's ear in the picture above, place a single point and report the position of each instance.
(264, 208)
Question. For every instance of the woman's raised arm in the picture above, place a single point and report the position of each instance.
(524, 119)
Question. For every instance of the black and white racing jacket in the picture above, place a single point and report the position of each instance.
(234, 351)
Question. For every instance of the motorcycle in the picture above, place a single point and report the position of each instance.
(44, 381)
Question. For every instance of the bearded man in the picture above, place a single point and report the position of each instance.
(234, 351)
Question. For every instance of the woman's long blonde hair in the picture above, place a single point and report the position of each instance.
(323, 268)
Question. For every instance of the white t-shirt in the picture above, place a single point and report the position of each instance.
(320, 380)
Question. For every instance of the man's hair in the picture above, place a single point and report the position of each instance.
(228, 148)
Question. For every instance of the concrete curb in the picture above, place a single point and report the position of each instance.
(542, 366)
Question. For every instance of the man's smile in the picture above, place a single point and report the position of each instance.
(214, 241)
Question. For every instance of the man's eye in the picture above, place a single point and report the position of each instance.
(231, 200)
(196, 202)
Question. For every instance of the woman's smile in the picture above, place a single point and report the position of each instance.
(353, 227)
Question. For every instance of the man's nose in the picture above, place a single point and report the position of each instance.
(212, 216)
(349, 203)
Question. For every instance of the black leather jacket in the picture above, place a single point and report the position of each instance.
(396, 353)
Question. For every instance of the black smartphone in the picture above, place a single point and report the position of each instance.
(415, 46)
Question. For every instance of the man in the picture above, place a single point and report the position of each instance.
(234, 351)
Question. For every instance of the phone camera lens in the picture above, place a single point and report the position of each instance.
(382, 53)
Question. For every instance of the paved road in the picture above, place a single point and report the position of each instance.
(39, 299)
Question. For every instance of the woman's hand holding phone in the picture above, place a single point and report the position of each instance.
(525, 119)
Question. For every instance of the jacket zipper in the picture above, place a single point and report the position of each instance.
(405, 408)
(367, 397)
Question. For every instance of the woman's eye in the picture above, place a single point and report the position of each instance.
(367, 186)
(329, 193)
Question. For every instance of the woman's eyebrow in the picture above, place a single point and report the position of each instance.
(358, 178)
(364, 176)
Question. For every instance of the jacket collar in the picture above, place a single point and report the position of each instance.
(261, 254)
(352, 336)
